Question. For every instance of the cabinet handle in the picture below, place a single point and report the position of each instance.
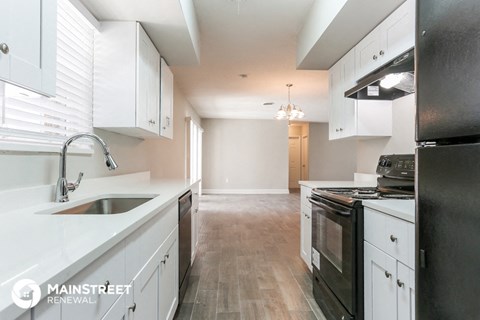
(106, 284)
(152, 121)
(400, 283)
(388, 274)
(4, 48)
(341, 129)
(393, 238)
(382, 52)
(168, 121)
(375, 57)
(336, 130)
(167, 255)
(133, 307)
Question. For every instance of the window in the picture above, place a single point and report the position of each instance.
(194, 150)
(31, 122)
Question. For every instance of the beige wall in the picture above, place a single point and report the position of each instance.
(402, 140)
(164, 158)
(167, 157)
(330, 160)
(245, 154)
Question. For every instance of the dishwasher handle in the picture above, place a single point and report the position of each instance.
(184, 204)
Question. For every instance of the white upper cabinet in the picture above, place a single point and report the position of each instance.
(350, 118)
(166, 92)
(28, 32)
(395, 35)
(126, 80)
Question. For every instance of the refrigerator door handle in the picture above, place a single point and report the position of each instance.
(422, 259)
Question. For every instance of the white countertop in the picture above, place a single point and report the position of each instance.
(50, 249)
(403, 209)
(337, 184)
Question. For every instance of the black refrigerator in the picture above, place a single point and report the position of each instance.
(448, 159)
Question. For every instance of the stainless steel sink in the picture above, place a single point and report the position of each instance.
(107, 205)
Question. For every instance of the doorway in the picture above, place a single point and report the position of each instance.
(297, 154)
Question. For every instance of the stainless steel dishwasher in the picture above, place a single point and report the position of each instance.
(185, 241)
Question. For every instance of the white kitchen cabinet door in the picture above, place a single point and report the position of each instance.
(28, 33)
(348, 124)
(398, 32)
(126, 95)
(148, 82)
(166, 104)
(168, 278)
(380, 284)
(367, 56)
(406, 292)
(306, 235)
(47, 311)
(108, 270)
(395, 35)
(336, 100)
(118, 310)
(145, 291)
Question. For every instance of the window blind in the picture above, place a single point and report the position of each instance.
(30, 118)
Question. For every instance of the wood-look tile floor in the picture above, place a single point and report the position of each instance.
(248, 264)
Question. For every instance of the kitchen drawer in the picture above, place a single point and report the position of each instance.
(304, 193)
(108, 269)
(142, 244)
(392, 235)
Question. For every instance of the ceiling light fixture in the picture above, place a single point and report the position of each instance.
(289, 112)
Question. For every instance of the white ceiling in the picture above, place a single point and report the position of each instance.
(256, 38)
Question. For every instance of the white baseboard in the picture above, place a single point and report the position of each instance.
(245, 191)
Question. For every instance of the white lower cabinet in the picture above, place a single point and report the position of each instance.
(45, 310)
(155, 288)
(306, 236)
(147, 260)
(108, 270)
(389, 281)
(195, 218)
(306, 226)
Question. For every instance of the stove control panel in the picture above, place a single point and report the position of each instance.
(397, 166)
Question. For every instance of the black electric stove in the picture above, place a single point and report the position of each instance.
(396, 182)
(337, 236)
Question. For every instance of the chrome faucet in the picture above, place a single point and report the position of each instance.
(63, 186)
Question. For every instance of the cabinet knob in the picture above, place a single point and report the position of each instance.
(400, 283)
(393, 238)
(382, 52)
(341, 129)
(4, 48)
(336, 130)
(133, 307)
(375, 57)
(152, 121)
(388, 274)
(105, 285)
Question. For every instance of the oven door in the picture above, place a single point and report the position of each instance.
(333, 236)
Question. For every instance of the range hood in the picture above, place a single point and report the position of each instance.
(392, 81)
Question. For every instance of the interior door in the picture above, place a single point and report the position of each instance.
(304, 157)
(294, 162)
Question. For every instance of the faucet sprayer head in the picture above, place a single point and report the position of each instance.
(110, 162)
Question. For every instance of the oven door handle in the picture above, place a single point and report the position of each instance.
(329, 209)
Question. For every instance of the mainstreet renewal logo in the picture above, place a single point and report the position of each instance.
(26, 293)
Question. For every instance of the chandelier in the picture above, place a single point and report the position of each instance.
(290, 112)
